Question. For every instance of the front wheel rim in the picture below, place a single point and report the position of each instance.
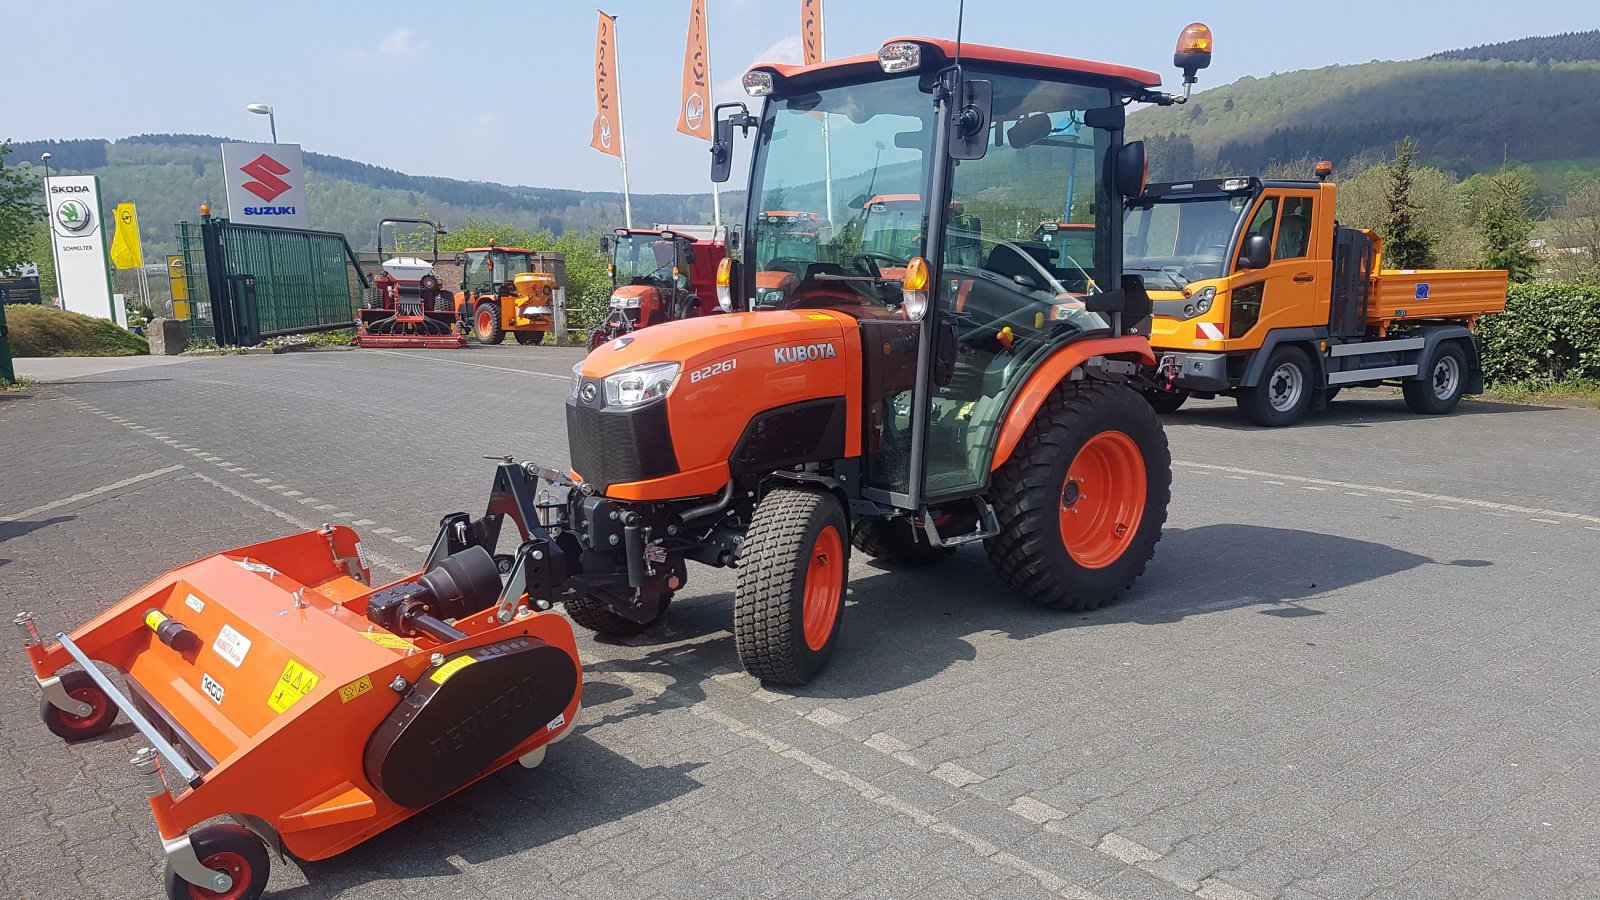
(1285, 386)
(1103, 499)
(824, 584)
(99, 707)
(485, 322)
(1446, 377)
(237, 867)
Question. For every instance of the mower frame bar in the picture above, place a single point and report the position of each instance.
(180, 766)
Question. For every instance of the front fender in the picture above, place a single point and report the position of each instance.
(1054, 370)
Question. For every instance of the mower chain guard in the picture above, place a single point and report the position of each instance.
(461, 717)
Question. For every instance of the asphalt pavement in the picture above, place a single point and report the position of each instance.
(1362, 663)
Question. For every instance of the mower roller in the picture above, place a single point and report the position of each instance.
(276, 686)
(411, 308)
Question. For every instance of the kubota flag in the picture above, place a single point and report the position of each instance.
(694, 118)
(607, 122)
(811, 30)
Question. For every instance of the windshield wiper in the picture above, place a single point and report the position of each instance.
(1171, 276)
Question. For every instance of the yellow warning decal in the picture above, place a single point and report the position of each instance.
(820, 317)
(392, 641)
(443, 673)
(295, 682)
(358, 688)
(154, 619)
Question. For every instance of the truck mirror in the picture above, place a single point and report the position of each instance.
(1133, 169)
(1257, 252)
(969, 121)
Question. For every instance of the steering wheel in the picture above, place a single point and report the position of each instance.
(867, 261)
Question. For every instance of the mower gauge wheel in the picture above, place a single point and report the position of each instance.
(79, 686)
(232, 848)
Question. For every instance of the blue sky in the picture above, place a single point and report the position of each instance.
(503, 91)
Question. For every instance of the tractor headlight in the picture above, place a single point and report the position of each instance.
(641, 384)
(620, 302)
(772, 299)
(577, 378)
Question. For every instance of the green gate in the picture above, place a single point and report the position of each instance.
(251, 282)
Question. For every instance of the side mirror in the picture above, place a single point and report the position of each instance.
(1133, 169)
(605, 243)
(732, 241)
(859, 202)
(1257, 252)
(969, 123)
(722, 138)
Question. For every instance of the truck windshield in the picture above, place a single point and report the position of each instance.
(485, 268)
(1173, 241)
(647, 257)
(828, 152)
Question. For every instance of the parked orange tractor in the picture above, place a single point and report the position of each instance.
(657, 275)
(502, 292)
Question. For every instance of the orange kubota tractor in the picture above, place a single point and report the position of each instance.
(503, 293)
(656, 276)
(410, 308)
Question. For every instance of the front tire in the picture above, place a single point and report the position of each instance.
(792, 577)
(486, 324)
(1440, 384)
(1284, 394)
(1082, 499)
(68, 727)
(231, 847)
(529, 338)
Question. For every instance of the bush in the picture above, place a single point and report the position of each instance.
(43, 331)
(1549, 332)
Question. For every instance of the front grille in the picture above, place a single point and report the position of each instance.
(612, 446)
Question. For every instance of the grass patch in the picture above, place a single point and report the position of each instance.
(1569, 389)
(23, 382)
(41, 331)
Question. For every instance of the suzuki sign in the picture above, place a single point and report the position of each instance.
(266, 184)
(77, 228)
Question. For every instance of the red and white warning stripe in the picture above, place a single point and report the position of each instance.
(1207, 331)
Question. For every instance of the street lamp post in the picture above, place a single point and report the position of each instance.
(55, 255)
(265, 110)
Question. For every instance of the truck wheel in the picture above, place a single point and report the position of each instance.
(895, 542)
(1082, 499)
(487, 324)
(593, 613)
(68, 727)
(1165, 401)
(233, 848)
(529, 338)
(1441, 382)
(1284, 394)
(792, 576)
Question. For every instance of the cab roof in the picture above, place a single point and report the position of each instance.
(501, 249)
(938, 51)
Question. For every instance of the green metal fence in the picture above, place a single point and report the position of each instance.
(250, 282)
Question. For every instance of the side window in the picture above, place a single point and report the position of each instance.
(1266, 216)
(1294, 232)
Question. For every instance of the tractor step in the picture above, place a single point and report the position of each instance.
(988, 526)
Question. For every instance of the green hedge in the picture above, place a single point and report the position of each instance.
(42, 331)
(1549, 332)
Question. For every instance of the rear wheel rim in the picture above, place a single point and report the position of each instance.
(237, 867)
(1285, 386)
(824, 584)
(1103, 499)
(1446, 377)
(485, 321)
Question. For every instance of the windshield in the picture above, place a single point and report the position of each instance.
(828, 153)
(646, 257)
(1172, 242)
(485, 268)
(893, 227)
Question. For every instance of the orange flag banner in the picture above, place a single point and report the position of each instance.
(811, 30)
(694, 117)
(607, 124)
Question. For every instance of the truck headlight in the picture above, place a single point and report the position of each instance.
(1203, 300)
(640, 385)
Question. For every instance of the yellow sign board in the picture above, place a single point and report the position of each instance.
(295, 682)
(443, 673)
(359, 688)
(177, 276)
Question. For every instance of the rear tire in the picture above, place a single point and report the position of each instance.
(593, 613)
(1080, 544)
(529, 338)
(231, 847)
(792, 578)
(1165, 402)
(1284, 394)
(486, 324)
(1441, 383)
(68, 727)
(894, 541)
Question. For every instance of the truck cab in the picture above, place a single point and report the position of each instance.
(1260, 294)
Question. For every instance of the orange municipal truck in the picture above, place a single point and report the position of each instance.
(1260, 294)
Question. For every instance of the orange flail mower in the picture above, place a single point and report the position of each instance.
(276, 686)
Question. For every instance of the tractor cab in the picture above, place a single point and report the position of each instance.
(650, 279)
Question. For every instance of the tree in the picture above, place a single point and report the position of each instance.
(1577, 251)
(19, 213)
(1405, 244)
(1506, 221)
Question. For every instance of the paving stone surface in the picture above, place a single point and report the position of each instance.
(1362, 663)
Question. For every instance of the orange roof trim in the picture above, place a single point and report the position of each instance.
(979, 53)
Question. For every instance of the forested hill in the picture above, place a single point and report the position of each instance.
(170, 175)
(1532, 100)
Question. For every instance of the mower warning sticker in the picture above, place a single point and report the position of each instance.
(358, 688)
(557, 722)
(295, 682)
(443, 673)
(195, 603)
(231, 645)
(212, 689)
(392, 641)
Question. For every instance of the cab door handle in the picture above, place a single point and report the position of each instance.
(1304, 277)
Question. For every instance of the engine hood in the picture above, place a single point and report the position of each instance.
(710, 339)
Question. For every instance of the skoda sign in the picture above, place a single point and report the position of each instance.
(266, 184)
(82, 278)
